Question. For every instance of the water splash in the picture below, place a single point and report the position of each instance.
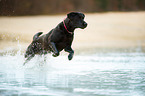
(86, 75)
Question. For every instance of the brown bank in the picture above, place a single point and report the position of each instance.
(119, 30)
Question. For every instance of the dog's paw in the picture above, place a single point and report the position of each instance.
(55, 54)
(70, 56)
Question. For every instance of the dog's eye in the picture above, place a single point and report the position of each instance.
(81, 17)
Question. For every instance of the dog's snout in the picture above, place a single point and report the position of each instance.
(85, 24)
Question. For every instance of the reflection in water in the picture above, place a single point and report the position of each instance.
(112, 74)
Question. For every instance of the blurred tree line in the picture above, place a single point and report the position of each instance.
(37, 7)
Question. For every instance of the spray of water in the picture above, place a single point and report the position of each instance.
(85, 75)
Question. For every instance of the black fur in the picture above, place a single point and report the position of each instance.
(57, 39)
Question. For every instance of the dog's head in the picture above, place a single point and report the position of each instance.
(77, 19)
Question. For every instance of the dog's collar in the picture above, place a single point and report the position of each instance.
(66, 27)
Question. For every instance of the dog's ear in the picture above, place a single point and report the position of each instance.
(71, 15)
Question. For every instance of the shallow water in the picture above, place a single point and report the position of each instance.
(107, 74)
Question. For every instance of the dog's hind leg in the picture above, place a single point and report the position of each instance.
(45, 57)
(28, 59)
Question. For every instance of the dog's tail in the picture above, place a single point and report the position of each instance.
(37, 35)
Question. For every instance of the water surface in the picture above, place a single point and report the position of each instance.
(107, 74)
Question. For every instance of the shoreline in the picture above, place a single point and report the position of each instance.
(111, 30)
(82, 50)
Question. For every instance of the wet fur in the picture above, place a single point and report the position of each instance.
(57, 39)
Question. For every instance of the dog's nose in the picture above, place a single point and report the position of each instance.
(85, 24)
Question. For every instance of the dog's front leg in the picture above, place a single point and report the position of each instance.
(54, 49)
(71, 52)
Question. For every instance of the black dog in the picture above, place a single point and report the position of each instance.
(57, 39)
